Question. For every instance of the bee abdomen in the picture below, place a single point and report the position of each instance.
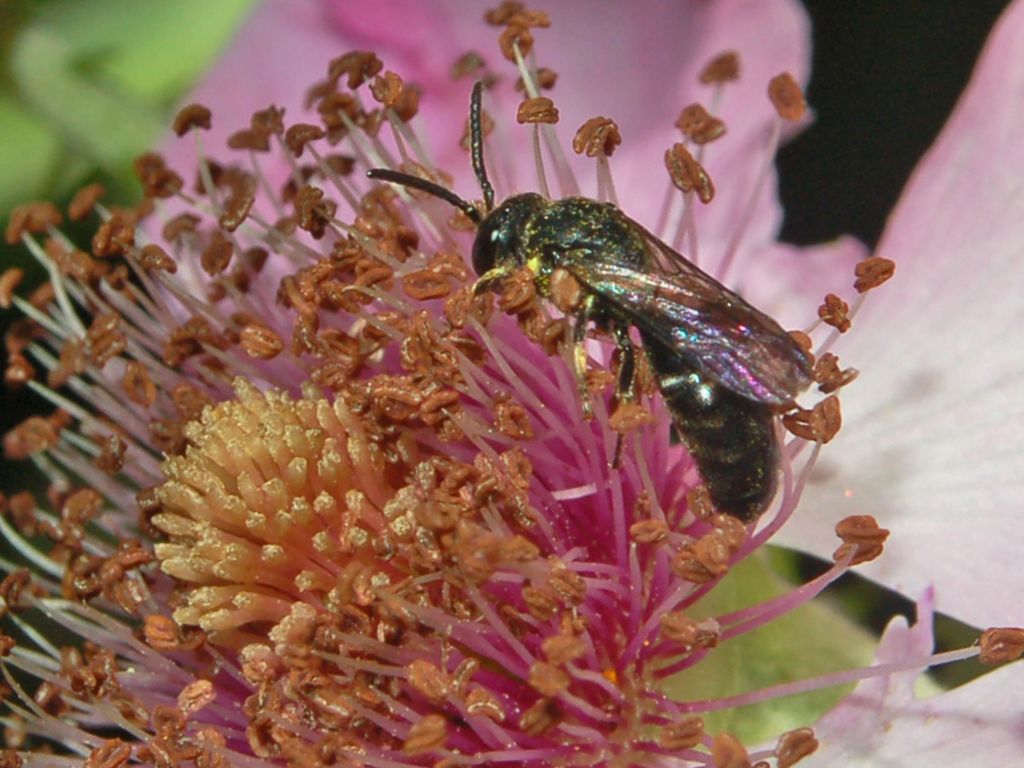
(731, 438)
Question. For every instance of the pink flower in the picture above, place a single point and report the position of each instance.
(385, 533)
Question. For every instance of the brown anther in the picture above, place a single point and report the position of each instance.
(706, 558)
(515, 37)
(426, 284)
(512, 420)
(315, 212)
(723, 68)
(137, 384)
(299, 135)
(252, 140)
(544, 77)
(467, 64)
(7, 644)
(161, 633)
(828, 374)
(387, 88)
(649, 531)
(84, 201)
(236, 208)
(598, 136)
(787, 97)
(33, 435)
(428, 680)
(728, 752)
(113, 237)
(561, 649)
(698, 501)
(19, 371)
(540, 718)
(835, 312)
(153, 258)
(12, 587)
(548, 679)
(820, 424)
(358, 66)
(687, 174)
(629, 416)
(112, 753)
(679, 628)
(1000, 645)
(682, 734)
(862, 533)
(179, 226)
(794, 746)
(191, 116)
(426, 735)
(216, 255)
(195, 696)
(260, 342)
(9, 281)
(269, 121)
(156, 178)
(872, 272)
(500, 16)
(31, 218)
(699, 125)
(112, 452)
(803, 340)
(537, 110)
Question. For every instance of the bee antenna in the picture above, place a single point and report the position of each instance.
(415, 182)
(477, 144)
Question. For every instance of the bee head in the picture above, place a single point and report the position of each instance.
(499, 235)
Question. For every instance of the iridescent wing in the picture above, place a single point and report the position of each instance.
(691, 313)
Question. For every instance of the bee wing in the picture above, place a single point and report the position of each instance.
(691, 313)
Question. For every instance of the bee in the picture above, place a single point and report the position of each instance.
(724, 368)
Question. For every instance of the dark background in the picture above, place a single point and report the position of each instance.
(885, 76)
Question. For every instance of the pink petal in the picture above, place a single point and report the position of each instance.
(933, 443)
(881, 723)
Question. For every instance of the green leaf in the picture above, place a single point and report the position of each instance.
(812, 640)
(29, 151)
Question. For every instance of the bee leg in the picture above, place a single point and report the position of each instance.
(579, 354)
(625, 387)
(490, 280)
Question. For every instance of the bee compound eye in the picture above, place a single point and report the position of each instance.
(485, 250)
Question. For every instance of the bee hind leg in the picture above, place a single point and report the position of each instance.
(625, 388)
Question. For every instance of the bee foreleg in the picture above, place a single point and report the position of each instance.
(579, 354)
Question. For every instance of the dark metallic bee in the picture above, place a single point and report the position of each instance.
(724, 368)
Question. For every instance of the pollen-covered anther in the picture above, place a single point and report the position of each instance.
(315, 212)
(390, 90)
(872, 272)
(705, 559)
(31, 218)
(1001, 644)
(829, 376)
(787, 97)
(835, 312)
(699, 125)
(794, 746)
(260, 342)
(196, 696)
(820, 423)
(191, 116)
(649, 532)
(297, 136)
(698, 501)
(84, 201)
(687, 174)
(428, 680)
(679, 628)
(685, 733)
(156, 178)
(9, 282)
(518, 21)
(537, 110)
(548, 679)
(153, 258)
(862, 534)
(728, 752)
(597, 137)
(428, 734)
(723, 68)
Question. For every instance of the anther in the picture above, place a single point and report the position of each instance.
(872, 272)
(31, 218)
(698, 125)
(829, 376)
(9, 282)
(835, 312)
(723, 68)
(191, 116)
(538, 110)
(299, 135)
(358, 66)
(820, 424)
(862, 534)
(787, 97)
(682, 734)
(1001, 644)
(728, 752)
(598, 136)
(794, 746)
(687, 174)
(84, 201)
